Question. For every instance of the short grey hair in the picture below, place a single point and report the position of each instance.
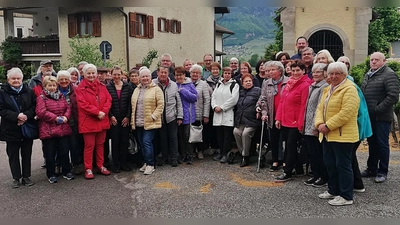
(318, 66)
(196, 67)
(89, 66)
(74, 69)
(167, 55)
(276, 64)
(15, 71)
(306, 49)
(82, 63)
(144, 70)
(63, 73)
(234, 59)
(338, 66)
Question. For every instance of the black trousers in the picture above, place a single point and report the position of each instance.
(56, 146)
(225, 139)
(167, 141)
(76, 146)
(291, 136)
(13, 150)
(119, 144)
(358, 182)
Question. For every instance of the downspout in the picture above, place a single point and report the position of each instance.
(127, 36)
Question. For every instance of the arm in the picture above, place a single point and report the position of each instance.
(84, 105)
(392, 93)
(160, 103)
(206, 101)
(179, 107)
(300, 119)
(190, 94)
(108, 101)
(5, 112)
(30, 113)
(42, 112)
(231, 102)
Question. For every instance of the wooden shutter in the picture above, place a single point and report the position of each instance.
(132, 24)
(96, 21)
(178, 27)
(159, 24)
(166, 25)
(72, 25)
(150, 20)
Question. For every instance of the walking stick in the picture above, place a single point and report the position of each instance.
(260, 147)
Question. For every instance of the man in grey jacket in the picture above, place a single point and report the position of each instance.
(167, 138)
(381, 90)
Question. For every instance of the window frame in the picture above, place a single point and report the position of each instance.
(74, 24)
(148, 25)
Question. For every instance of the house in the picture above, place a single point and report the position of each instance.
(341, 30)
(183, 32)
(219, 41)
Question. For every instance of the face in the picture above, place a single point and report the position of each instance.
(207, 61)
(116, 76)
(274, 72)
(51, 87)
(187, 64)
(124, 78)
(233, 65)
(301, 43)
(108, 76)
(215, 71)
(307, 56)
(346, 62)
(15, 80)
(243, 69)
(74, 77)
(134, 78)
(102, 76)
(327, 77)
(162, 74)
(336, 77)
(46, 69)
(63, 81)
(321, 58)
(166, 61)
(195, 75)
(180, 78)
(318, 75)
(80, 67)
(145, 78)
(262, 71)
(297, 72)
(283, 60)
(288, 69)
(376, 61)
(90, 74)
(247, 83)
(227, 75)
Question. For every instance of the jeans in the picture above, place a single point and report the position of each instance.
(337, 158)
(119, 144)
(59, 146)
(379, 151)
(145, 139)
(314, 148)
(13, 151)
(225, 139)
(243, 136)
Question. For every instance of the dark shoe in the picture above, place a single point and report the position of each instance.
(320, 183)
(231, 157)
(162, 162)
(310, 181)
(174, 163)
(367, 173)
(16, 183)
(27, 182)
(126, 168)
(282, 178)
(262, 161)
(78, 169)
(53, 180)
(245, 161)
(218, 157)
(224, 159)
(380, 178)
(69, 176)
(116, 171)
(189, 160)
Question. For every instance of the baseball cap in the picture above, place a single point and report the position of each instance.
(45, 61)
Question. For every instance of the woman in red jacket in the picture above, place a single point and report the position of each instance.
(290, 116)
(94, 103)
(54, 113)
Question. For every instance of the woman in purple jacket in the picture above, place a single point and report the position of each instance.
(54, 129)
(188, 94)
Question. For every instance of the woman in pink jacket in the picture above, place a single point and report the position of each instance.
(94, 103)
(290, 116)
(54, 113)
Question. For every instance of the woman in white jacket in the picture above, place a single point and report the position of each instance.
(223, 101)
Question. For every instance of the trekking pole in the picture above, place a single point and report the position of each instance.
(260, 147)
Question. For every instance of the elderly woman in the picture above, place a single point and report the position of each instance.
(147, 108)
(188, 94)
(323, 56)
(313, 146)
(245, 67)
(267, 105)
(94, 103)
(223, 101)
(336, 120)
(54, 129)
(203, 105)
(290, 118)
(120, 114)
(75, 75)
(15, 94)
(246, 122)
(134, 78)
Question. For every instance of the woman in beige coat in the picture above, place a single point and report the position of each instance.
(147, 109)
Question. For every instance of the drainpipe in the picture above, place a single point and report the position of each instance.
(127, 36)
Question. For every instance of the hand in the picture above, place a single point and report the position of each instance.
(125, 122)
(264, 118)
(278, 124)
(20, 122)
(217, 109)
(206, 120)
(258, 109)
(22, 117)
(315, 132)
(323, 129)
(113, 121)
(65, 119)
(179, 121)
(101, 115)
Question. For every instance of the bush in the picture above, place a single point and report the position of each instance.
(11, 51)
(3, 74)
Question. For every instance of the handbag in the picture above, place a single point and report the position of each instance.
(133, 147)
(30, 129)
(195, 132)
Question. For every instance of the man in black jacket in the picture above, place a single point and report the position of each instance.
(381, 90)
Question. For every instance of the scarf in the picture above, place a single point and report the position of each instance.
(291, 82)
(17, 89)
(53, 95)
(275, 83)
(215, 79)
(94, 86)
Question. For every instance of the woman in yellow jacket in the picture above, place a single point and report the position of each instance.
(147, 108)
(336, 120)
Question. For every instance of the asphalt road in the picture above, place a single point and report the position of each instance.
(206, 189)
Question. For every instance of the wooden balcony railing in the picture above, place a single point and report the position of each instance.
(39, 45)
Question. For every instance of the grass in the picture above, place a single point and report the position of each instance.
(256, 46)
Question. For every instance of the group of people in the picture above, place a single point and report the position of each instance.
(308, 102)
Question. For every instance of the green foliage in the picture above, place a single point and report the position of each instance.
(272, 49)
(11, 51)
(225, 61)
(152, 54)
(3, 73)
(254, 59)
(82, 49)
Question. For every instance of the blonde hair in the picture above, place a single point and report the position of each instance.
(49, 79)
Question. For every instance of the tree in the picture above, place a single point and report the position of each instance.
(272, 49)
(254, 59)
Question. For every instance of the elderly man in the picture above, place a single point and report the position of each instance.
(45, 69)
(166, 61)
(307, 55)
(381, 90)
(301, 43)
(167, 138)
(207, 60)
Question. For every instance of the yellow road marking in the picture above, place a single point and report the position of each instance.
(166, 185)
(206, 188)
(253, 183)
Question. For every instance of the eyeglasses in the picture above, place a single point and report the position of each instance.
(307, 53)
(207, 60)
(347, 63)
(165, 60)
(234, 63)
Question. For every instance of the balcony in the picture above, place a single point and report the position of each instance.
(36, 45)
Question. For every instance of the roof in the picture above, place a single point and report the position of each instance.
(221, 29)
(221, 10)
(219, 53)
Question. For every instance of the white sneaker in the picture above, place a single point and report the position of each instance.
(359, 190)
(339, 200)
(326, 195)
(149, 170)
(143, 168)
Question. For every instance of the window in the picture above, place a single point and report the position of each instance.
(141, 25)
(163, 24)
(19, 32)
(86, 23)
(175, 26)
